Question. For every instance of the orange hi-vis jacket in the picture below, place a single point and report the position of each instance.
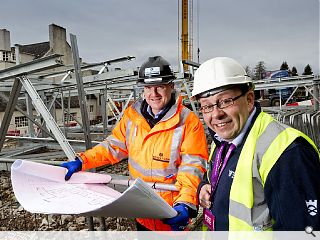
(174, 151)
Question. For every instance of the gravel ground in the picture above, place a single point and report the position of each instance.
(14, 218)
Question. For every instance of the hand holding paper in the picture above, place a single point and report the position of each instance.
(41, 188)
(72, 166)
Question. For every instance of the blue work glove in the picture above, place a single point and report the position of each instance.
(179, 222)
(72, 166)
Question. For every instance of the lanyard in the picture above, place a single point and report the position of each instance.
(216, 171)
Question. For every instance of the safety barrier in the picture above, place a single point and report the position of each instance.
(302, 118)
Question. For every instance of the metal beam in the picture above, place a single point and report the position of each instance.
(30, 117)
(37, 65)
(9, 110)
(316, 89)
(104, 112)
(95, 82)
(189, 96)
(81, 94)
(30, 113)
(47, 117)
(88, 66)
(191, 63)
(284, 83)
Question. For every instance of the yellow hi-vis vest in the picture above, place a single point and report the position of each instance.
(267, 140)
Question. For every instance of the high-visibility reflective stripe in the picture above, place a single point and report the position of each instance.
(240, 211)
(177, 137)
(129, 123)
(194, 160)
(184, 115)
(171, 112)
(137, 105)
(115, 142)
(258, 217)
(134, 134)
(151, 172)
(263, 144)
(164, 172)
(192, 170)
(115, 153)
(266, 138)
(175, 145)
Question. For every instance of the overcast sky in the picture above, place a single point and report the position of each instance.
(272, 31)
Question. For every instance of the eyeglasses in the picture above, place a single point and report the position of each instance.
(158, 88)
(224, 103)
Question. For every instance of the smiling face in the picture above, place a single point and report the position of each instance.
(158, 96)
(228, 122)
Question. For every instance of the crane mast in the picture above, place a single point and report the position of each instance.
(184, 32)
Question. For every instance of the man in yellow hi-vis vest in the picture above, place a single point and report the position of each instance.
(164, 142)
(263, 175)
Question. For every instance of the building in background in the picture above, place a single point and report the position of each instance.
(57, 44)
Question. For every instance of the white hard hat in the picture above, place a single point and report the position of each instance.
(217, 74)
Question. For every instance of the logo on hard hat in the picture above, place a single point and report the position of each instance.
(152, 71)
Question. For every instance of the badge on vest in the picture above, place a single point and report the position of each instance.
(208, 219)
(312, 207)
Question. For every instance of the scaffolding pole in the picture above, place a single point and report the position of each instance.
(84, 111)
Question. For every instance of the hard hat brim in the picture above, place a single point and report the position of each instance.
(210, 92)
(144, 82)
(215, 91)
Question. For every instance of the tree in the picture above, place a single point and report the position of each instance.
(284, 66)
(259, 70)
(294, 71)
(307, 70)
(248, 71)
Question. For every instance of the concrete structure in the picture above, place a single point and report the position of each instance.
(57, 44)
(7, 56)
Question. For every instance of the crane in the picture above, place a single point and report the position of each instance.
(186, 31)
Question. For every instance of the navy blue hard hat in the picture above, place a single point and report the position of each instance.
(156, 70)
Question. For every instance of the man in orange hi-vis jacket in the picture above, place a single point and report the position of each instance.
(164, 142)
